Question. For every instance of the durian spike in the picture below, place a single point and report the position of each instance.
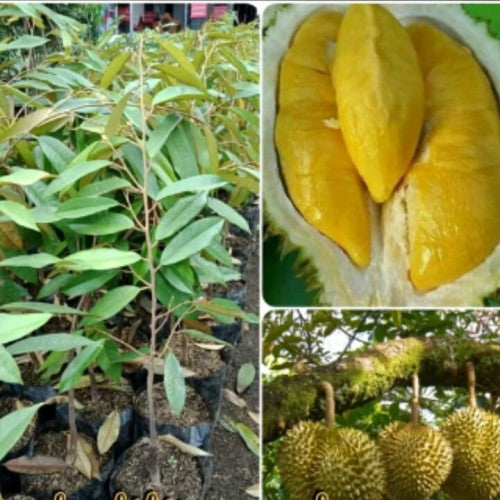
(330, 403)
(415, 406)
(471, 379)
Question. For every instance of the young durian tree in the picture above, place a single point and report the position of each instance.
(474, 434)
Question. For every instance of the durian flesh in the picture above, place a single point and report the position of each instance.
(386, 281)
(343, 463)
(475, 437)
(417, 460)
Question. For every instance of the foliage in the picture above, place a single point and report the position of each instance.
(123, 163)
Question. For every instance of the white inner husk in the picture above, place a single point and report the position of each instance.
(385, 282)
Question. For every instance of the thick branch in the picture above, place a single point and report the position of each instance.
(369, 374)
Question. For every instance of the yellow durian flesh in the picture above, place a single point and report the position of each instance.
(320, 178)
(417, 460)
(380, 95)
(475, 437)
(453, 189)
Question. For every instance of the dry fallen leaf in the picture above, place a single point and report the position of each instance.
(59, 400)
(39, 464)
(108, 432)
(86, 461)
(210, 347)
(232, 397)
(253, 491)
(159, 366)
(184, 447)
(254, 416)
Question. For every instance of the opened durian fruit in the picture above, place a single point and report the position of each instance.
(381, 151)
(474, 435)
(417, 459)
(322, 461)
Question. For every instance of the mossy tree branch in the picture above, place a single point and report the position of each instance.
(371, 373)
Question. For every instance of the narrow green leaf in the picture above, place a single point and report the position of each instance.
(13, 425)
(87, 282)
(58, 154)
(73, 174)
(101, 224)
(160, 134)
(183, 212)
(110, 304)
(230, 214)
(114, 68)
(181, 150)
(27, 123)
(23, 176)
(203, 337)
(99, 259)
(177, 54)
(36, 260)
(115, 118)
(175, 385)
(19, 214)
(248, 436)
(45, 307)
(9, 371)
(103, 187)
(246, 376)
(191, 240)
(77, 208)
(78, 365)
(58, 342)
(192, 184)
(179, 92)
(183, 76)
(16, 326)
(24, 42)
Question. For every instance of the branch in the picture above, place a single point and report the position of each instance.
(369, 374)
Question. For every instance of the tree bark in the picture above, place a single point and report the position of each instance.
(369, 374)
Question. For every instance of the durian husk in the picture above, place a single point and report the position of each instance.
(326, 267)
(474, 435)
(417, 460)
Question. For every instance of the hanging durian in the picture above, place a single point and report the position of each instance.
(475, 437)
(318, 461)
(416, 457)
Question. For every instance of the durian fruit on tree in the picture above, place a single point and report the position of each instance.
(322, 461)
(475, 437)
(417, 458)
(435, 239)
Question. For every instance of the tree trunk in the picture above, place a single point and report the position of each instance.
(369, 374)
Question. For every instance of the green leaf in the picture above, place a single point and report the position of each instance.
(177, 54)
(13, 425)
(53, 285)
(160, 134)
(102, 187)
(27, 123)
(115, 118)
(230, 214)
(114, 68)
(110, 304)
(225, 308)
(9, 371)
(58, 342)
(184, 211)
(203, 337)
(24, 42)
(108, 223)
(78, 365)
(246, 376)
(16, 326)
(77, 208)
(73, 174)
(99, 259)
(175, 385)
(183, 75)
(23, 176)
(191, 240)
(192, 184)
(58, 154)
(181, 150)
(213, 151)
(37, 260)
(248, 436)
(87, 282)
(179, 92)
(19, 214)
(45, 307)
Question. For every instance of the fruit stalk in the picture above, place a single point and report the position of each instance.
(415, 406)
(327, 388)
(471, 381)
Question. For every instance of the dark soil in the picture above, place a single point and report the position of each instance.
(8, 404)
(236, 468)
(181, 477)
(54, 444)
(29, 374)
(109, 399)
(195, 410)
(200, 361)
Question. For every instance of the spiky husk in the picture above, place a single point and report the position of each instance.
(296, 458)
(475, 437)
(417, 460)
(349, 466)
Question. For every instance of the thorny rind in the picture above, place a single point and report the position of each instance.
(369, 374)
